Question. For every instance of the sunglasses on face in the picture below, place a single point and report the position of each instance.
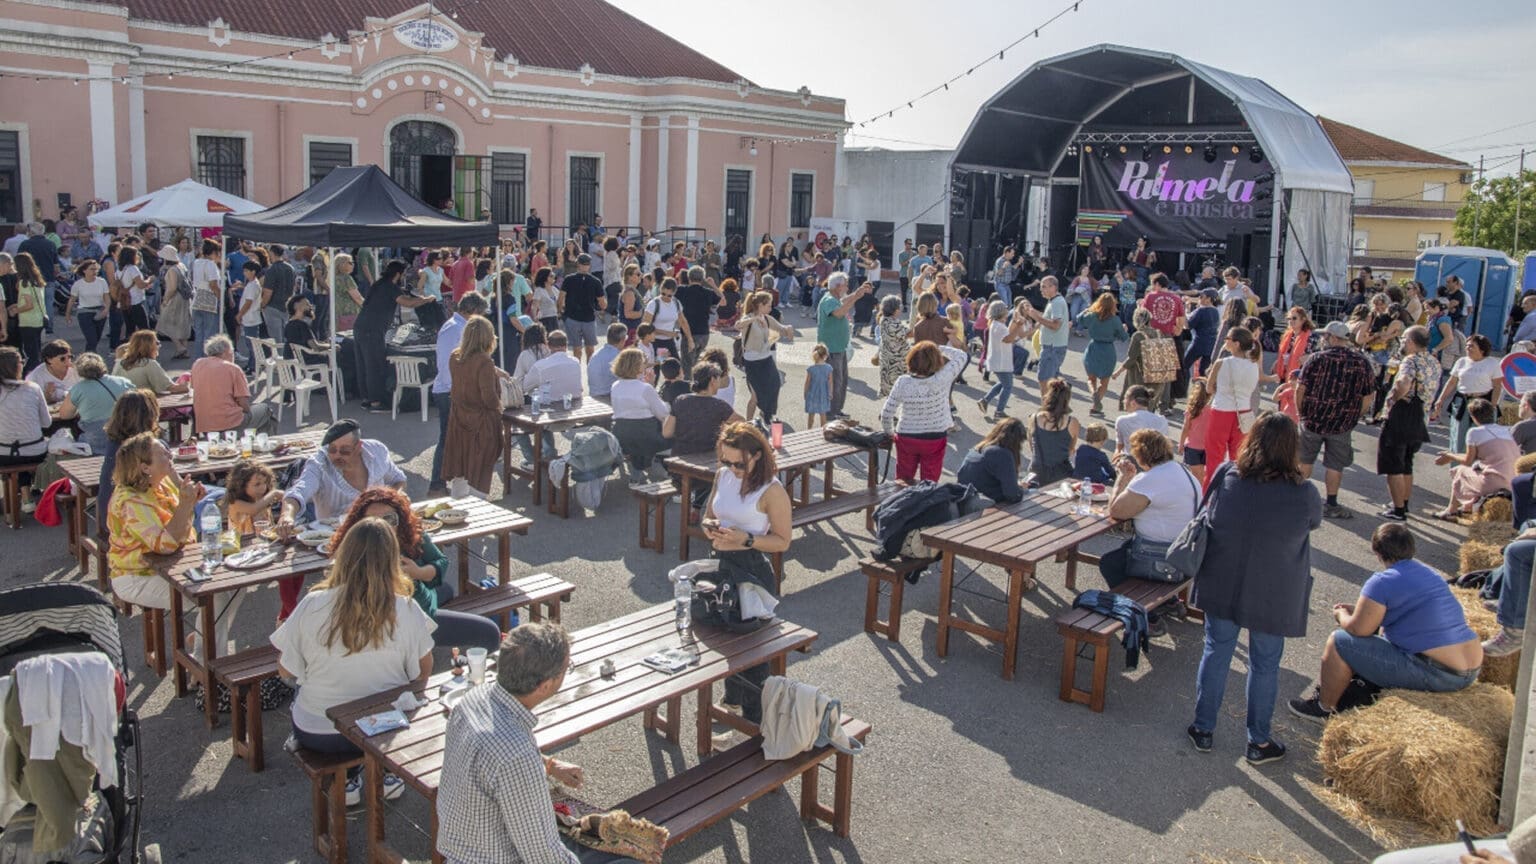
(734, 465)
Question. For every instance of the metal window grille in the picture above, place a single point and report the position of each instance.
(221, 163)
(801, 192)
(323, 156)
(738, 203)
(509, 188)
(584, 191)
(10, 177)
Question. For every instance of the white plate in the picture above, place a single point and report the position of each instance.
(251, 559)
(314, 537)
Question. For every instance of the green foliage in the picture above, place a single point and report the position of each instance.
(1496, 220)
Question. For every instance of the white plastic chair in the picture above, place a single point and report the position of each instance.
(408, 376)
(264, 354)
(318, 369)
(291, 379)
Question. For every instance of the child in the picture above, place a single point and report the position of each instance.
(956, 315)
(730, 305)
(250, 493)
(1090, 461)
(645, 340)
(1192, 438)
(748, 277)
(818, 388)
(672, 383)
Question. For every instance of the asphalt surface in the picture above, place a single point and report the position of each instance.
(962, 766)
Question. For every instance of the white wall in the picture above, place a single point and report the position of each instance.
(900, 186)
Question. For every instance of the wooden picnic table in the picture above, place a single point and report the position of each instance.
(1015, 537)
(175, 412)
(801, 453)
(486, 519)
(85, 474)
(586, 702)
(584, 411)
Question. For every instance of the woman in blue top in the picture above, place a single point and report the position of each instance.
(1104, 328)
(1406, 631)
(993, 467)
(1203, 324)
(92, 399)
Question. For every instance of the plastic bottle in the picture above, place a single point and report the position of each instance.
(534, 405)
(1084, 498)
(682, 602)
(213, 548)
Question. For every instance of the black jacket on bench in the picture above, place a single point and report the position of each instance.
(921, 505)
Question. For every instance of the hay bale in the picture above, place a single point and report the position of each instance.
(1509, 412)
(1499, 671)
(1525, 464)
(1484, 547)
(1430, 758)
(1496, 510)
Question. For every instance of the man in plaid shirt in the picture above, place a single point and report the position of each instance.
(1332, 389)
(493, 804)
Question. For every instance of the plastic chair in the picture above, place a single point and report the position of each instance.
(408, 376)
(291, 379)
(264, 356)
(317, 367)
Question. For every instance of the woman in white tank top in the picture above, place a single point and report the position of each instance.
(1233, 378)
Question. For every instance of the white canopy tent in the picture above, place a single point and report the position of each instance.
(187, 204)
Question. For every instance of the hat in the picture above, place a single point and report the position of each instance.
(1337, 329)
(169, 251)
(339, 429)
(652, 242)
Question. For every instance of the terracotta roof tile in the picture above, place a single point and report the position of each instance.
(559, 35)
(1357, 145)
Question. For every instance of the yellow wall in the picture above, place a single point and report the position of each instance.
(1403, 187)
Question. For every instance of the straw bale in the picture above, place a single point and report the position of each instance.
(1496, 510)
(1430, 758)
(1500, 671)
(1509, 412)
(1484, 547)
(1525, 464)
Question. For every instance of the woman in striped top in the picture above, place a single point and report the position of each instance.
(921, 397)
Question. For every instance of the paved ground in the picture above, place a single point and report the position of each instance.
(962, 765)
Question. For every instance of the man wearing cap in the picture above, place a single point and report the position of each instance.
(581, 298)
(1332, 389)
(344, 466)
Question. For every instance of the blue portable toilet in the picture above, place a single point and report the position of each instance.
(1488, 277)
(1528, 279)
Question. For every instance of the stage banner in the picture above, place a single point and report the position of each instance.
(1179, 201)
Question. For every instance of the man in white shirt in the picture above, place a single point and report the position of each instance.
(448, 336)
(1139, 399)
(561, 372)
(207, 284)
(600, 375)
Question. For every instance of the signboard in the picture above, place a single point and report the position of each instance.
(424, 34)
(823, 227)
(1177, 200)
(1519, 370)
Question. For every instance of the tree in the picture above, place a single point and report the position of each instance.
(1490, 206)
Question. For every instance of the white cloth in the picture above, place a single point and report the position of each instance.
(999, 353)
(127, 276)
(322, 484)
(1172, 496)
(90, 295)
(73, 697)
(1235, 384)
(664, 314)
(634, 399)
(735, 510)
(924, 402)
(756, 602)
(1480, 435)
(1476, 377)
(42, 378)
(329, 676)
(10, 802)
(792, 719)
(23, 417)
(727, 391)
(448, 337)
(251, 294)
(1127, 425)
(560, 371)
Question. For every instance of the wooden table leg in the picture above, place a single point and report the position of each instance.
(178, 640)
(373, 797)
(703, 727)
(463, 546)
(805, 485)
(1072, 569)
(826, 479)
(506, 461)
(1011, 635)
(504, 558)
(682, 539)
(874, 471)
(538, 465)
(79, 522)
(209, 643)
(946, 594)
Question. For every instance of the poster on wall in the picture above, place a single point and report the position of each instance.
(823, 227)
(1179, 201)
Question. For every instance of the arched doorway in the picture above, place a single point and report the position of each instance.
(421, 159)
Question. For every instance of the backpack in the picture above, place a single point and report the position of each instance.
(739, 347)
(1159, 361)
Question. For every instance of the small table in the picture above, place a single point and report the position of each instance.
(801, 453)
(175, 412)
(485, 520)
(586, 703)
(584, 411)
(1015, 537)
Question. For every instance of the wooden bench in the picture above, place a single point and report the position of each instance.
(653, 499)
(1081, 628)
(540, 593)
(724, 783)
(820, 511)
(893, 573)
(10, 484)
(242, 673)
(327, 773)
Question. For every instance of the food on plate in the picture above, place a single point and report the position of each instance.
(452, 516)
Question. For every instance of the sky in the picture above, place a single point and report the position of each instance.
(1398, 68)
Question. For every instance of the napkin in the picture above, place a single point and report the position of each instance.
(407, 701)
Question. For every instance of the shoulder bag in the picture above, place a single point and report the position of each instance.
(1159, 360)
(739, 347)
(1187, 551)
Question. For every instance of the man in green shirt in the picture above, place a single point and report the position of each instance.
(1055, 330)
(834, 330)
(903, 259)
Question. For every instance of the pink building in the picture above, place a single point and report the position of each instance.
(571, 107)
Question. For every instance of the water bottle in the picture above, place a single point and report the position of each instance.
(544, 396)
(533, 405)
(213, 547)
(1084, 498)
(682, 601)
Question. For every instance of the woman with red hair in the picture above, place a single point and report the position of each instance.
(425, 565)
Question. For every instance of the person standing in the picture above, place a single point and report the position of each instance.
(474, 436)
(533, 225)
(1204, 323)
(581, 298)
(448, 338)
(90, 296)
(1055, 331)
(1003, 337)
(1004, 270)
(375, 318)
(206, 284)
(1455, 301)
(697, 300)
(1405, 431)
(29, 309)
(760, 332)
(133, 288)
(1166, 309)
(834, 331)
(903, 268)
(1256, 575)
(1104, 329)
(1304, 291)
(1475, 376)
(276, 287)
(665, 313)
(1332, 389)
(921, 397)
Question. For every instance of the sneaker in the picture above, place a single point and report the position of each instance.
(982, 404)
(1504, 643)
(1202, 740)
(355, 789)
(29, 506)
(1260, 754)
(1310, 709)
(1391, 514)
(1338, 511)
(394, 786)
(1491, 605)
(1156, 627)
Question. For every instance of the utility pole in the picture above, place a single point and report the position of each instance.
(1519, 188)
(1477, 211)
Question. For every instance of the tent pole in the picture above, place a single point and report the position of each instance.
(223, 276)
(501, 315)
(330, 264)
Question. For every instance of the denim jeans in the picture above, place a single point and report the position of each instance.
(1051, 358)
(1515, 583)
(442, 402)
(1001, 391)
(1264, 650)
(115, 322)
(1004, 292)
(204, 326)
(1076, 304)
(91, 329)
(1388, 666)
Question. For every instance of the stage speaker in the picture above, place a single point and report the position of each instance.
(1240, 252)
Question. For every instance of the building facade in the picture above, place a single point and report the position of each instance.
(570, 107)
(1405, 198)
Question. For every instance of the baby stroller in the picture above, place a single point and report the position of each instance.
(57, 623)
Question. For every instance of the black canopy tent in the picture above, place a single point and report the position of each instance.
(358, 206)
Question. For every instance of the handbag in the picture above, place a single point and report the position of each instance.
(1187, 551)
(847, 432)
(1159, 361)
(739, 347)
(512, 395)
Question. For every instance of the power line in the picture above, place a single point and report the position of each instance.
(1494, 132)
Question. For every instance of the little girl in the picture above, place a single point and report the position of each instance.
(249, 496)
(1196, 418)
(645, 340)
(818, 388)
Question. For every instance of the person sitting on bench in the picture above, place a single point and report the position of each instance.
(1159, 496)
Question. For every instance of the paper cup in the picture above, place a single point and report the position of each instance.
(476, 665)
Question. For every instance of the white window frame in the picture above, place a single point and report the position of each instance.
(1421, 244)
(725, 176)
(1435, 191)
(602, 181)
(789, 197)
(527, 152)
(1365, 191)
(250, 154)
(323, 139)
(1359, 242)
(24, 159)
